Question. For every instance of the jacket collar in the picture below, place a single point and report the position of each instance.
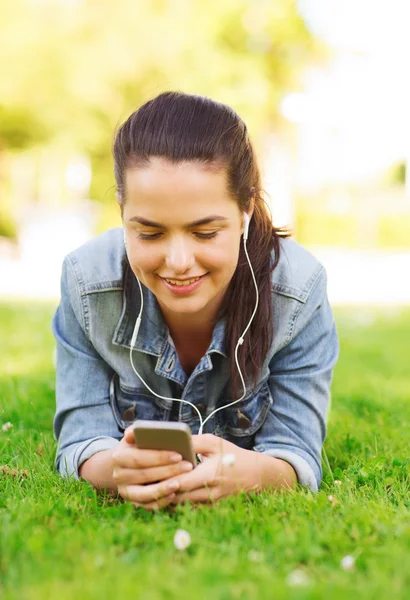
(153, 334)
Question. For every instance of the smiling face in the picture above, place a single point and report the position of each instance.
(181, 225)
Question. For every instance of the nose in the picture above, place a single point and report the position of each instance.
(179, 258)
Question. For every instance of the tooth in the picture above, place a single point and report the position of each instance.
(179, 283)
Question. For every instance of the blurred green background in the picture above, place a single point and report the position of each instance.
(75, 70)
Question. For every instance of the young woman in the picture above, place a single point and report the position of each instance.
(189, 187)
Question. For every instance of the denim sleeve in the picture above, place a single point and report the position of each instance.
(300, 381)
(83, 423)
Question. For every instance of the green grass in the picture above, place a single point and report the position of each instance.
(60, 539)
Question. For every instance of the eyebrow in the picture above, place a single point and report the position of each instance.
(204, 221)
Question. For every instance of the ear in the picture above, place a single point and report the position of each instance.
(252, 194)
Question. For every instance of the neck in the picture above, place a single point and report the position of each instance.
(183, 327)
(198, 326)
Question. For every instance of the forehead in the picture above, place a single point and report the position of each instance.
(165, 183)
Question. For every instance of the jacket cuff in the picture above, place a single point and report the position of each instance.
(302, 468)
(68, 464)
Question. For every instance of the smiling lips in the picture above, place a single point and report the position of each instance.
(182, 281)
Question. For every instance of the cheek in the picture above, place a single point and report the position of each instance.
(146, 263)
(220, 257)
(225, 258)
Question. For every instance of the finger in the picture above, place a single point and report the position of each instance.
(158, 504)
(137, 458)
(197, 479)
(142, 476)
(129, 435)
(145, 494)
(199, 496)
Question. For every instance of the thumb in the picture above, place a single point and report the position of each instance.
(129, 435)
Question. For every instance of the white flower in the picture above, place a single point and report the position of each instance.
(7, 426)
(99, 561)
(255, 556)
(298, 577)
(347, 563)
(182, 539)
(337, 482)
(333, 500)
(228, 459)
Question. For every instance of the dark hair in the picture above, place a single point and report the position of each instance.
(184, 127)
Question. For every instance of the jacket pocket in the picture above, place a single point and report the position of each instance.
(128, 405)
(239, 423)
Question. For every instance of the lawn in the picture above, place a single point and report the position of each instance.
(60, 539)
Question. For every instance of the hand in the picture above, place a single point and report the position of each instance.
(212, 479)
(134, 468)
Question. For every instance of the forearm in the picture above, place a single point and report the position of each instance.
(275, 473)
(98, 471)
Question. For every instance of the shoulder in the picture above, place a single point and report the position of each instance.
(99, 263)
(297, 272)
(298, 288)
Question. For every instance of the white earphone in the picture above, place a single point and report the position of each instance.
(246, 227)
(239, 342)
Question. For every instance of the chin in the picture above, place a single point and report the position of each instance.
(185, 306)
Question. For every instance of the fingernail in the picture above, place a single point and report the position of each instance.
(175, 458)
(174, 485)
(186, 466)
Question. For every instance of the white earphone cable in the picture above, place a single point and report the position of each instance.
(239, 343)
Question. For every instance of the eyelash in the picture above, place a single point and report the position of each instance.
(154, 236)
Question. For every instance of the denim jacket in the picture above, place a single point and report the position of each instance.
(98, 394)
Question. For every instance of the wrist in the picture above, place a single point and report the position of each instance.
(98, 470)
(275, 473)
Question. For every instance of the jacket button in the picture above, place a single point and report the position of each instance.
(243, 421)
(129, 413)
(202, 409)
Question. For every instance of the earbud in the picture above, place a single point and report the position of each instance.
(125, 239)
(246, 227)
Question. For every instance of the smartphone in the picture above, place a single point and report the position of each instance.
(165, 435)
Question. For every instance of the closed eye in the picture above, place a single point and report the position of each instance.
(206, 236)
(155, 236)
